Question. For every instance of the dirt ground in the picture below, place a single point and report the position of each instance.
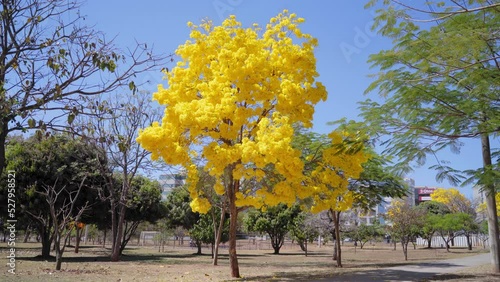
(181, 264)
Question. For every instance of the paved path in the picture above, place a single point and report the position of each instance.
(415, 272)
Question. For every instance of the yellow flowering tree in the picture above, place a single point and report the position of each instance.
(405, 222)
(231, 102)
(453, 199)
(331, 162)
(481, 208)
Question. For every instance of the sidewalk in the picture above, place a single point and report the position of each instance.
(415, 272)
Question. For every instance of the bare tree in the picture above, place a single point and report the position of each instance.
(64, 215)
(113, 125)
(49, 59)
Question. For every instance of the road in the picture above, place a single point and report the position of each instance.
(416, 272)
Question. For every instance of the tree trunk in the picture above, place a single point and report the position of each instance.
(276, 249)
(469, 242)
(4, 129)
(335, 242)
(113, 223)
(104, 239)
(198, 245)
(58, 254)
(46, 242)
(26, 235)
(117, 239)
(336, 219)
(489, 188)
(218, 234)
(276, 243)
(429, 243)
(122, 208)
(233, 220)
(86, 234)
(77, 239)
(405, 249)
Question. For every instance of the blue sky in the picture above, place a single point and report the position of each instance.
(341, 27)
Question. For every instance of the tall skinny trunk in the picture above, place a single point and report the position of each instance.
(4, 128)
(493, 230)
(122, 208)
(77, 239)
(27, 234)
(218, 235)
(404, 244)
(104, 238)
(117, 240)
(233, 220)
(46, 243)
(59, 254)
(336, 220)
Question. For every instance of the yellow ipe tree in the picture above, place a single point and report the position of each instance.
(231, 101)
(329, 177)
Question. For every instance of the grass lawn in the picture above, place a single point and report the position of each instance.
(181, 264)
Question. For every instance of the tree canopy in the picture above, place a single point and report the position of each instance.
(439, 83)
(49, 60)
(235, 93)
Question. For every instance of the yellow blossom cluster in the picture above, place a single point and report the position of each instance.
(395, 209)
(452, 198)
(330, 179)
(234, 95)
(483, 209)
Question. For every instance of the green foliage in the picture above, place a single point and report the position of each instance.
(55, 159)
(58, 164)
(144, 202)
(364, 233)
(375, 183)
(203, 231)
(179, 212)
(275, 221)
(434, 208)
(440, 83)
(453, 222)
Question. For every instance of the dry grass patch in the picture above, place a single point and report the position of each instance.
(181, 264)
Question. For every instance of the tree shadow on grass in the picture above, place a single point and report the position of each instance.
(106, 258)
(309, 254)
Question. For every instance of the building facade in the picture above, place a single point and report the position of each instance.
(423, 194)
(170, 181)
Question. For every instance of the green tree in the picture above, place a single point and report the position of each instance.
(49, 60)
(469, 228)
(204, 231)
(448, 225)
(275, 221)
(57, 177)
(431, 208)
(143, 205)
(440, 84)
(179, 212)
(365, 233)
